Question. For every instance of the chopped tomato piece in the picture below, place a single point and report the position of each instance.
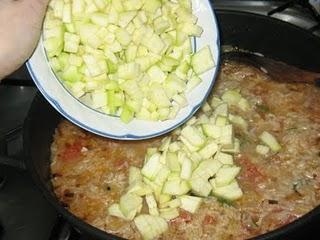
(121, 164)
(209, 220)
(277, 209)
(249, 170)
(71, 152)
(249, 222)
(183, 217)
(290, 218)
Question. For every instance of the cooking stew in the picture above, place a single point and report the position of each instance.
(90, 173)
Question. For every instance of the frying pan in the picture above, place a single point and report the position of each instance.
(273, 38)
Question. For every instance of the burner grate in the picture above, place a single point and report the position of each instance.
(20, 197)
(305, 4)
(298, 12)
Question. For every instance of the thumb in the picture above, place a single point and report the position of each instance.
(39, 6)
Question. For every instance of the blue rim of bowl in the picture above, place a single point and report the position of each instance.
(57, 106)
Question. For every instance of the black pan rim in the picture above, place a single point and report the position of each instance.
(53, 200)
(83, 226)
(270, 19)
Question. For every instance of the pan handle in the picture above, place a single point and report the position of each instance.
(5, 159)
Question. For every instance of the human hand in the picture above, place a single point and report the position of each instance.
(20, 28)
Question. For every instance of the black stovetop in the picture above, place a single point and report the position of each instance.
(24, 213)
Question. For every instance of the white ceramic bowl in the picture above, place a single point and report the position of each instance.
(108, 126)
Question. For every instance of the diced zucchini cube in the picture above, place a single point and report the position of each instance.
(172, 204)
(152, 167)
(159, 97)
(207, 169)
(234, 149)
(262, 149)
(211, 130)
(139, 188)
(193, 136)
(224, 158)
(99, 98)
(231, 97)
(191, 29)
(130, 203)
(151, 5)
(114, 210)
(150, 227)
(67, 17)
(190, 203)
(100, 19)
(180, 99)
(123, 37)
(169, 213)
(77, 7)
(162, 175)
(270, 141)
(55, 64)
(215, 102)
(58, 8)
(172, 162)
(71, 74)
(194, 81)
(244, 104)
(155, 44)
(227, 136)
(221, 121)
(176, 187)
(226, 175)
(92, 65)
(186, 168)
(152, 205)
(229, 192)
(163, 198)
(221, 110)
(134, 174)
(239, 121)
(202, 61)
(156, 74)
(200, 186)
(188, 145)
(126, 17)
(209, 150)
(54, 46)
(129, 71)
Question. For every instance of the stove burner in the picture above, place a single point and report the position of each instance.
(305, 4)
(302, 13)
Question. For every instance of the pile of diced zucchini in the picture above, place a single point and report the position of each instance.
(195, 162)
(128, 58)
